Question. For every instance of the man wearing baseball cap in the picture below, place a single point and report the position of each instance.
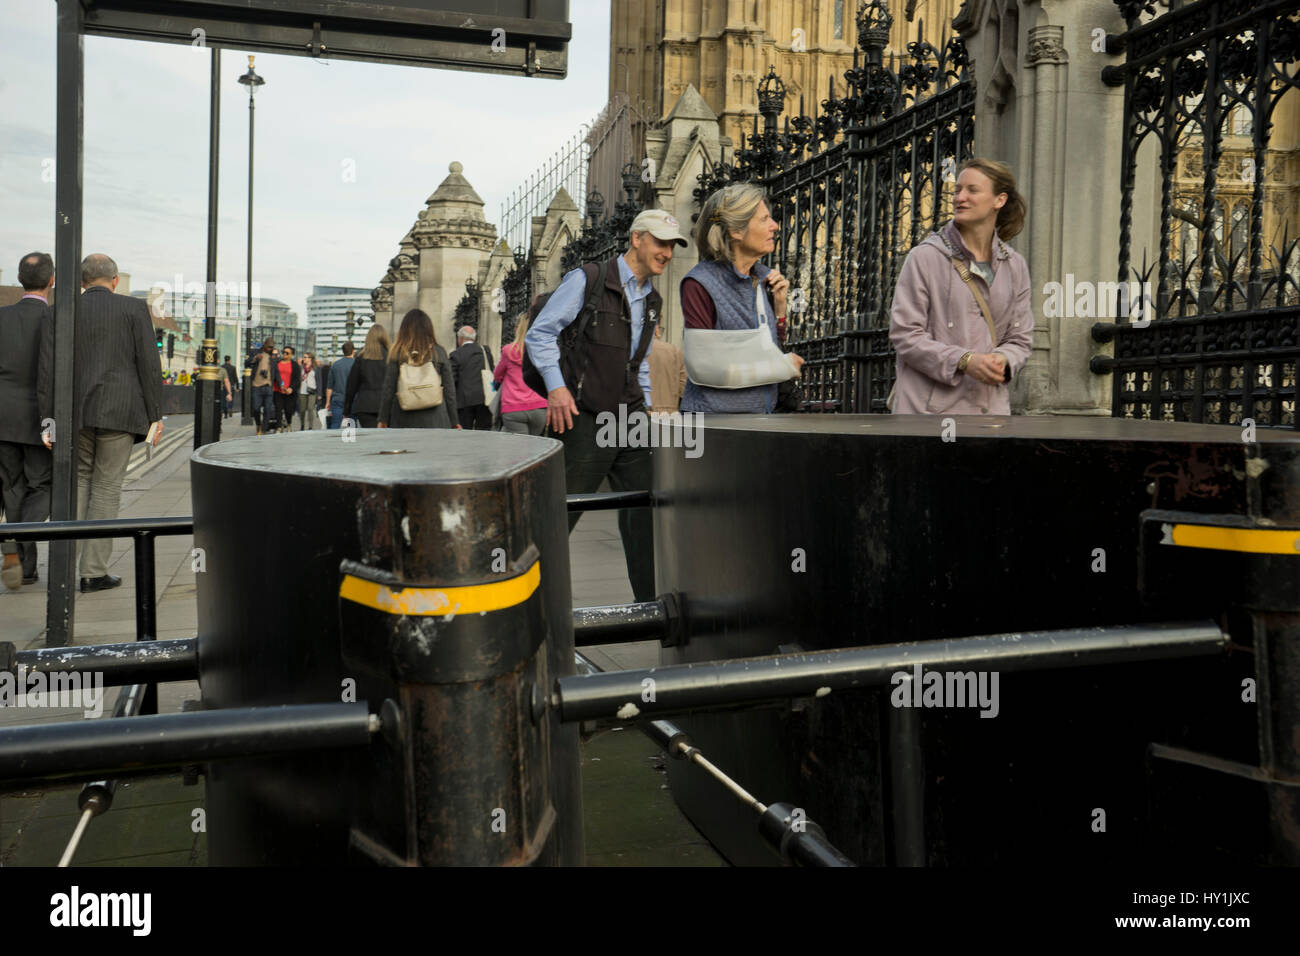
(600, 363)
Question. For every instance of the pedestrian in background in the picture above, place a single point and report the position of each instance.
(117, 395)
(261, 381)
(523, 411)
(232, 385)
(468, 363)
(307, 393)
(414, 349)
(26, 357)
(667, 373)
(366, 379)
(288, 379)
(336, 385)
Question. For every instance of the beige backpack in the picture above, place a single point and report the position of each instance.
(418, 386)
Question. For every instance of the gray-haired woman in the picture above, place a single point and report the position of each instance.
(730, 290)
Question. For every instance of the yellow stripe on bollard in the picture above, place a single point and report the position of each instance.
(470, 599)
(1251, 540)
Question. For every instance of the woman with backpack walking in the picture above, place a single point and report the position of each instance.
(419, 390)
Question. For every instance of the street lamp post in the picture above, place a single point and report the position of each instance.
(252, 81)
(207, 389)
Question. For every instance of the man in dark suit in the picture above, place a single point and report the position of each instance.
(117, 395)
(467, 362)
(26, 353)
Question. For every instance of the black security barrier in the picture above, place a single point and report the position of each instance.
(431, 577)
(832, 531)
(88, 749)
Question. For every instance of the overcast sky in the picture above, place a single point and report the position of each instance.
(146, 151)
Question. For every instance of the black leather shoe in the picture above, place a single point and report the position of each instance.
(36, 576)
(100, 584)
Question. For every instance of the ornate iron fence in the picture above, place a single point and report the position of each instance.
(1220, 338)
(853, 189)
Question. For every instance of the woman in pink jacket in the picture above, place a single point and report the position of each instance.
(523, 411)
(947, 360)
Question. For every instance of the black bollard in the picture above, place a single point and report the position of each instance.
(426, 572)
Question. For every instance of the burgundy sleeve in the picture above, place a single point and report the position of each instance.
(697, 306)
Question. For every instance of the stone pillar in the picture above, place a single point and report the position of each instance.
(691, 135)
(453, 239)
(406, 283)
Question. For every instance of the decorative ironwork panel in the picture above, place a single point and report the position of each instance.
(853, 188)
(1215, 340)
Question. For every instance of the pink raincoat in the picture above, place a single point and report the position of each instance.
(935, 320)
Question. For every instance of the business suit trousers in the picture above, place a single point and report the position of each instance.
(477, 417)
(586, 465)
(102, 455)
(25, 472)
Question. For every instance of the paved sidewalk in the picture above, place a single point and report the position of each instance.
(631, 818)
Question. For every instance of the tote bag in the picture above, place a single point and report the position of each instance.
(737, 358)
(485, 376)
(418, 387)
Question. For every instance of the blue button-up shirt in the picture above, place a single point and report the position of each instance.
(563, 307)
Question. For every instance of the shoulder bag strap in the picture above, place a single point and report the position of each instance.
(964, 272)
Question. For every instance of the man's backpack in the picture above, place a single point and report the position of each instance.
(572, 356)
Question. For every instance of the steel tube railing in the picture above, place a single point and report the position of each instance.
(748, 680)
(120, 664)
(37, 756)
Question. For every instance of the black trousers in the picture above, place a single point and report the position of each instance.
(475, 416)
(25, 473)
(286, 406)
(628, 469)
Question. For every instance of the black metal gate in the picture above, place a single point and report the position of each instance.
(1220, 341)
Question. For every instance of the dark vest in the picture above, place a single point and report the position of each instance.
(604, 374)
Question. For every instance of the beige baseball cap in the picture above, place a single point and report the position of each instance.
(659, 224)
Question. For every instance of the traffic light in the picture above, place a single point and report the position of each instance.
(171, 345)
(158, 337)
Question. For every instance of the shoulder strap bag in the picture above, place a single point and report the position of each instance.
(418, 386)
(737, 358)
(485, 376)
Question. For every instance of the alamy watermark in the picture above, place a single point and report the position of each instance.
(72, 690)
(1099, 300)
(946, 689)
(624, 429)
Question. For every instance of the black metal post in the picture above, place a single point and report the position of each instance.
(93, 749)
(252, 81)
(146, 623)
(59, 613)
(907, 784)
(207, 395)
(245, 393)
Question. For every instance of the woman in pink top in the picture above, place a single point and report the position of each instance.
(523, 411)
